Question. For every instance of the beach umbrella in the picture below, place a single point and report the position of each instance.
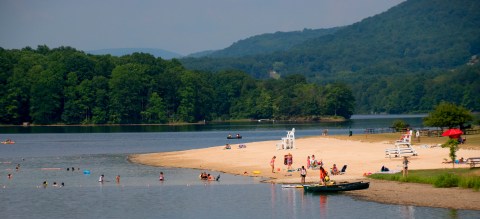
(452, 133)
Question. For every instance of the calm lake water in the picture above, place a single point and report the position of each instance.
(44, 153)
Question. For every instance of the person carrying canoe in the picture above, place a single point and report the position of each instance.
(323, 175)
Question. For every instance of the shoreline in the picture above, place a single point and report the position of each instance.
(361, 157)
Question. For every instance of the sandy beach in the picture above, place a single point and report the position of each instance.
(360, 158)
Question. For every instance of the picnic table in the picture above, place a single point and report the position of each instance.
(473, 161)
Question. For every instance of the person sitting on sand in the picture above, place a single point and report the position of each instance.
(334, 170)
(313, 162)
(228, 147)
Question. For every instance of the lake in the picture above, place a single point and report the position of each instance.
(45, 153)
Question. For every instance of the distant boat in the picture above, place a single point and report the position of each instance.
(337, 187)
(8, 142)
(234, 137)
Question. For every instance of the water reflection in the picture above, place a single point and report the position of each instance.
(323, 205)
(407, 211)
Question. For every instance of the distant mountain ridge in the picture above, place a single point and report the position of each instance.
(270, 42)
(164, 54)
(414, 35)
(404, 60)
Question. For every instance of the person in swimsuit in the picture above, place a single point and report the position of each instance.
(272, 164)
(303, 174)
(161, 177)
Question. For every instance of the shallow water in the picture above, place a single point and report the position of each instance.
(182, 195)
(46, 157)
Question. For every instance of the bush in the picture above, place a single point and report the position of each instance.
(446, 180)
(400, 125)
(470, 182)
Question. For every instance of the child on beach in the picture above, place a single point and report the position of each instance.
(272, 164)
(117, 179)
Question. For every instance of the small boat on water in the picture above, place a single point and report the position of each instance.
(234, 137)
(337, 187)
(8, 142)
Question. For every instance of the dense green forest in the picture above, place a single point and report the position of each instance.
(66, 86)
(407, 59)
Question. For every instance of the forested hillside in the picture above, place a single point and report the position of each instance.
(404, 60)
(270, 42)
(63, 85)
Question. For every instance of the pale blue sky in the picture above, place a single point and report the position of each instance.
(182, 26)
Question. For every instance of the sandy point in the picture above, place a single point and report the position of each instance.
(254, 160)
(360, 158)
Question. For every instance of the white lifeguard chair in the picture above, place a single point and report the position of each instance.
(287, 142)
(406, 138)
(403, 147)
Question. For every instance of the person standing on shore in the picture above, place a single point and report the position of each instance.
(100, 179)
(303, 174)
(405, 166)
(289, 161)
(272, 163)
(117, 179)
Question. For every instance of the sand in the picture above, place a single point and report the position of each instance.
(361, 158)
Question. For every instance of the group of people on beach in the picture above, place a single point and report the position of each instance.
(313, 163)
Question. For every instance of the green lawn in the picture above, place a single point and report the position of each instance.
(473, 141)
(442, 178)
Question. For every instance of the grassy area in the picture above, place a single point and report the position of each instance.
(442, 178)
(473, 141)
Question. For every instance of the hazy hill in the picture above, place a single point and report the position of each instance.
(411, 48)
(270, 42)
(164, 54)
(415, 35)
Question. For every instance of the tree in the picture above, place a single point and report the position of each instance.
(128, 91)
(339, 100)
(156, 110)
(448, 115)
(452, 144)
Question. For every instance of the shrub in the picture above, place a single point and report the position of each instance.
(399, 125)
(446, 180)
(470, 182)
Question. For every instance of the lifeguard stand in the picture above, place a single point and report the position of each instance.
(287, 142)
(403, 147)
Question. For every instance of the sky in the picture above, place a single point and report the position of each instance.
(181, 26)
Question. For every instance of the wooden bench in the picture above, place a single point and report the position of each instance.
(473, 161)
(472, 131)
